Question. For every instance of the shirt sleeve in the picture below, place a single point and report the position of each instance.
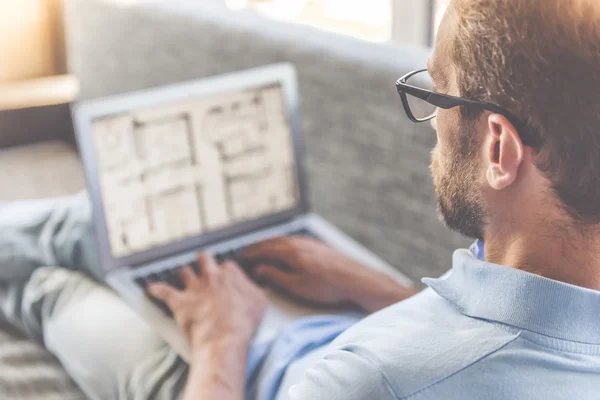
(342, 375)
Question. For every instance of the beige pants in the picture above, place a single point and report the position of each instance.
(108, 350)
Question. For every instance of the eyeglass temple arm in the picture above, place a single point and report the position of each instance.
(426, 95)
(446, 102)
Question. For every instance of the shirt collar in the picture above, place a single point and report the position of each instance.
(520, 299)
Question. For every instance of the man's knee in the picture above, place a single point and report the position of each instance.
(87, 316)
(55, 231)
(98, 339)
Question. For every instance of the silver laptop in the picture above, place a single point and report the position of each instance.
(214, 164)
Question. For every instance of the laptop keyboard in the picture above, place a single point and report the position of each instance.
(171, 275)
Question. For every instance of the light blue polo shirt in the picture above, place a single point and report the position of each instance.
(481, 331)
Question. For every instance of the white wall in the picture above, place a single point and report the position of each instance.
(412, 22)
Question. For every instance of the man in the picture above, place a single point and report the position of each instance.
(515, 165)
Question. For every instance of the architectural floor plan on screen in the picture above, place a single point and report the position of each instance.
(177, 170)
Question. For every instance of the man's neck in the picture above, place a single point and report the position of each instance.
(555, 251)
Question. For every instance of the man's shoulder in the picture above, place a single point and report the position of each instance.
(421, 341)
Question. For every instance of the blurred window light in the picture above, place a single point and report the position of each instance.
(28, 48)
(365, 19)
(440, 7)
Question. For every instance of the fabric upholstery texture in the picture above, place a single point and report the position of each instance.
(45, 169)
(28, 372)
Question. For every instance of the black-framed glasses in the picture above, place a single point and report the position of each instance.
(421, 104)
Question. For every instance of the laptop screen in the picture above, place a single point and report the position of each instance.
(178, 170)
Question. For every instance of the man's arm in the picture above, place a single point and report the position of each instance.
(217, 372)
(219, 312)
(375, 290)
(318, 273)
(342, 375)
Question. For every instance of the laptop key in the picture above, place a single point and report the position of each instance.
(152, 278)
(220, 258)
(141, 281)
(196, 267)
(171, 277)
(232, 255)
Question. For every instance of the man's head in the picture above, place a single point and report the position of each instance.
(539, 59)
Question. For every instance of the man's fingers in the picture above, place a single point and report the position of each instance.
(164, 292)
(232, 266)
(270, 274)
(187, 275)
(273, 248)
(238, 274)
(208, 264)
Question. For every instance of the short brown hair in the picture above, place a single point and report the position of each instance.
(540, 59)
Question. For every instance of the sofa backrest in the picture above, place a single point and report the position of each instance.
(368, 166)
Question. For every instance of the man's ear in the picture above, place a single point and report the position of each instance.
(503, 153)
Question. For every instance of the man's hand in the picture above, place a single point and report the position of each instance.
(315, 272)
(219, 312)
(220, 303)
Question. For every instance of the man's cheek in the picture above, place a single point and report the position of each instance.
(435, 157)
(433, 123)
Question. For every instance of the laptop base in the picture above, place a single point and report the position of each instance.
(281, 310)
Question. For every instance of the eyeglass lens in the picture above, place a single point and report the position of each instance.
(420, 108)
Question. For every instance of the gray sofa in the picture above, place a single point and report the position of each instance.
(367, 164)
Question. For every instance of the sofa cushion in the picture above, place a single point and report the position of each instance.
(27, 372)
(45, 169)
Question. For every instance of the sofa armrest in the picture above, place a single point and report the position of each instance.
(37, 110)
(37, 124)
